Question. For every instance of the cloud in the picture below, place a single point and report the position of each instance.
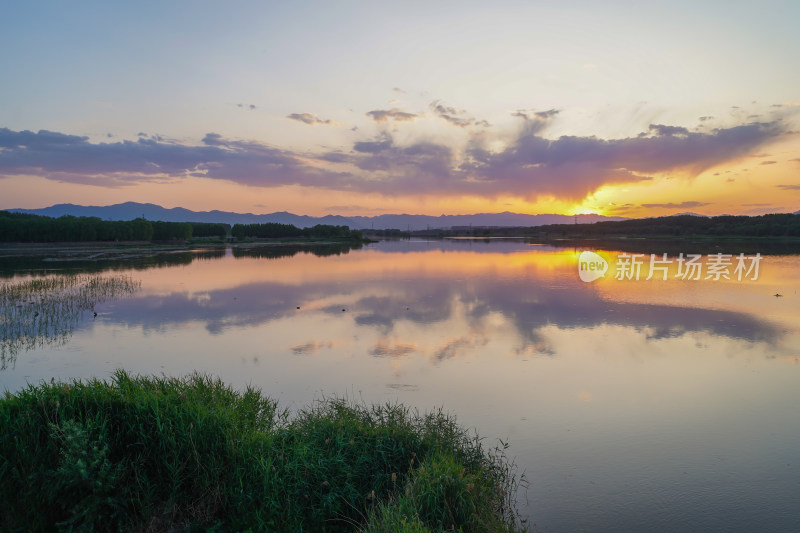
(251, 107)
(335, 157)
(13, 139)
(791, 187)
(535, 121)
(450, 115)
(71, 158)
(707, 117)
(681, 205)
(441, 109)
(383, 115)
(573, 167)
(374, 147)
(768, 162)
(660, 129)
(528, 165)
(530, 115)
(308, 118)
(352, 207)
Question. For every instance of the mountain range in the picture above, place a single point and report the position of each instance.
(132, 210)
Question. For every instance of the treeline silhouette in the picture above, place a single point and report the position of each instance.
(210, 229)
(22, 227)
(272, 230)
(773, 225)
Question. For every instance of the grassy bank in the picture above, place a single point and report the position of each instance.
(166, 454)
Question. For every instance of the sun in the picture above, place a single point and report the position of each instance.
(583, 210)
(586, 206)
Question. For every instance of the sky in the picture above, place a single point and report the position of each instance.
(362, 108)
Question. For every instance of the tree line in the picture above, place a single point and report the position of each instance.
(22, 227)
(272, 230)
(772, 225)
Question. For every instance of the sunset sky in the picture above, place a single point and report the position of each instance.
(362, 108)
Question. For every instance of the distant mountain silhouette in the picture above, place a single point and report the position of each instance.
(689, 213)
(131, 210)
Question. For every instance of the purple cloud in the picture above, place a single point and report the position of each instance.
(573, 167)
(681, 205)
(384, 115)
(308, 118)
(529, 166)
(450, 114)
(660, 129)
(74, 159)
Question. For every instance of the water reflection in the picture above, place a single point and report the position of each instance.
(396, 293)
(633, 405)
(46, 297)
(40, 312)
(674, 247)
(289, 250)
(531, 290)
(14, 261)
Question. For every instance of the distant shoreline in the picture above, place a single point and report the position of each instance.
(8, 249)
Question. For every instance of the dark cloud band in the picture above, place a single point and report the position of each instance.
(531, 165)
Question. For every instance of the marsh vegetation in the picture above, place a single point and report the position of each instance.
(167, 454)
(43, 311)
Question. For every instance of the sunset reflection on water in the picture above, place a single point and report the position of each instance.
(631, 405)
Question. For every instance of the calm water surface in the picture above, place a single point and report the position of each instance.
(630, 405)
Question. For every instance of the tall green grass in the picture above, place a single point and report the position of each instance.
(165, 454)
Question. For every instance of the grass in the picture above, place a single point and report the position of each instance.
(165, 454)
(45, 311)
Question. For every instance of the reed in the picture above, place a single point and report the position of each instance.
(166, 454)
(45, 311)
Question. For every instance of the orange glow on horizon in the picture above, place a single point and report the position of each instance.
(753, 185)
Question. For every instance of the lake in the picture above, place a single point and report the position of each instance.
(630, 404)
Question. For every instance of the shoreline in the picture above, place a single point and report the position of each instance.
(13, 249)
